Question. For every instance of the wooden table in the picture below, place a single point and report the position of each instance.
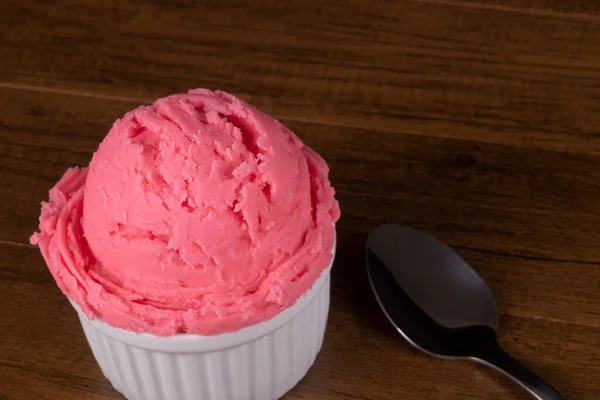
(477, 120)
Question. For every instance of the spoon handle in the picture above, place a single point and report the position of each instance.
(494, 356)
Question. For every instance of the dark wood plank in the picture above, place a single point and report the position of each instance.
(510, 211)
(500, 198)
(362, 357)
(44, 354)
(582, 9)
(422, 68)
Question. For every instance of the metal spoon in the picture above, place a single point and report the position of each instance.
(439, 304)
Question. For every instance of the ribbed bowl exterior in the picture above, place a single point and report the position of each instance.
(264, 368)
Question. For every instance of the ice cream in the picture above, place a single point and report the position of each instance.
(199, 214)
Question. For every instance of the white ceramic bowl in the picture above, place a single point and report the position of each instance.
(260, 362)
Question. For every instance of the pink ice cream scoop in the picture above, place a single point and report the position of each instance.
(198, 214)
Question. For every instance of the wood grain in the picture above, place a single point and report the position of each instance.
(473, 119)
(584, 9)
(425, 68)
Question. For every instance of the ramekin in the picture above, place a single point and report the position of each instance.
(260, 362)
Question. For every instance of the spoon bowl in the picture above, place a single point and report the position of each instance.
(439, 304)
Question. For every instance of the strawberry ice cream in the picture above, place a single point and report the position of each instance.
(198, 214)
